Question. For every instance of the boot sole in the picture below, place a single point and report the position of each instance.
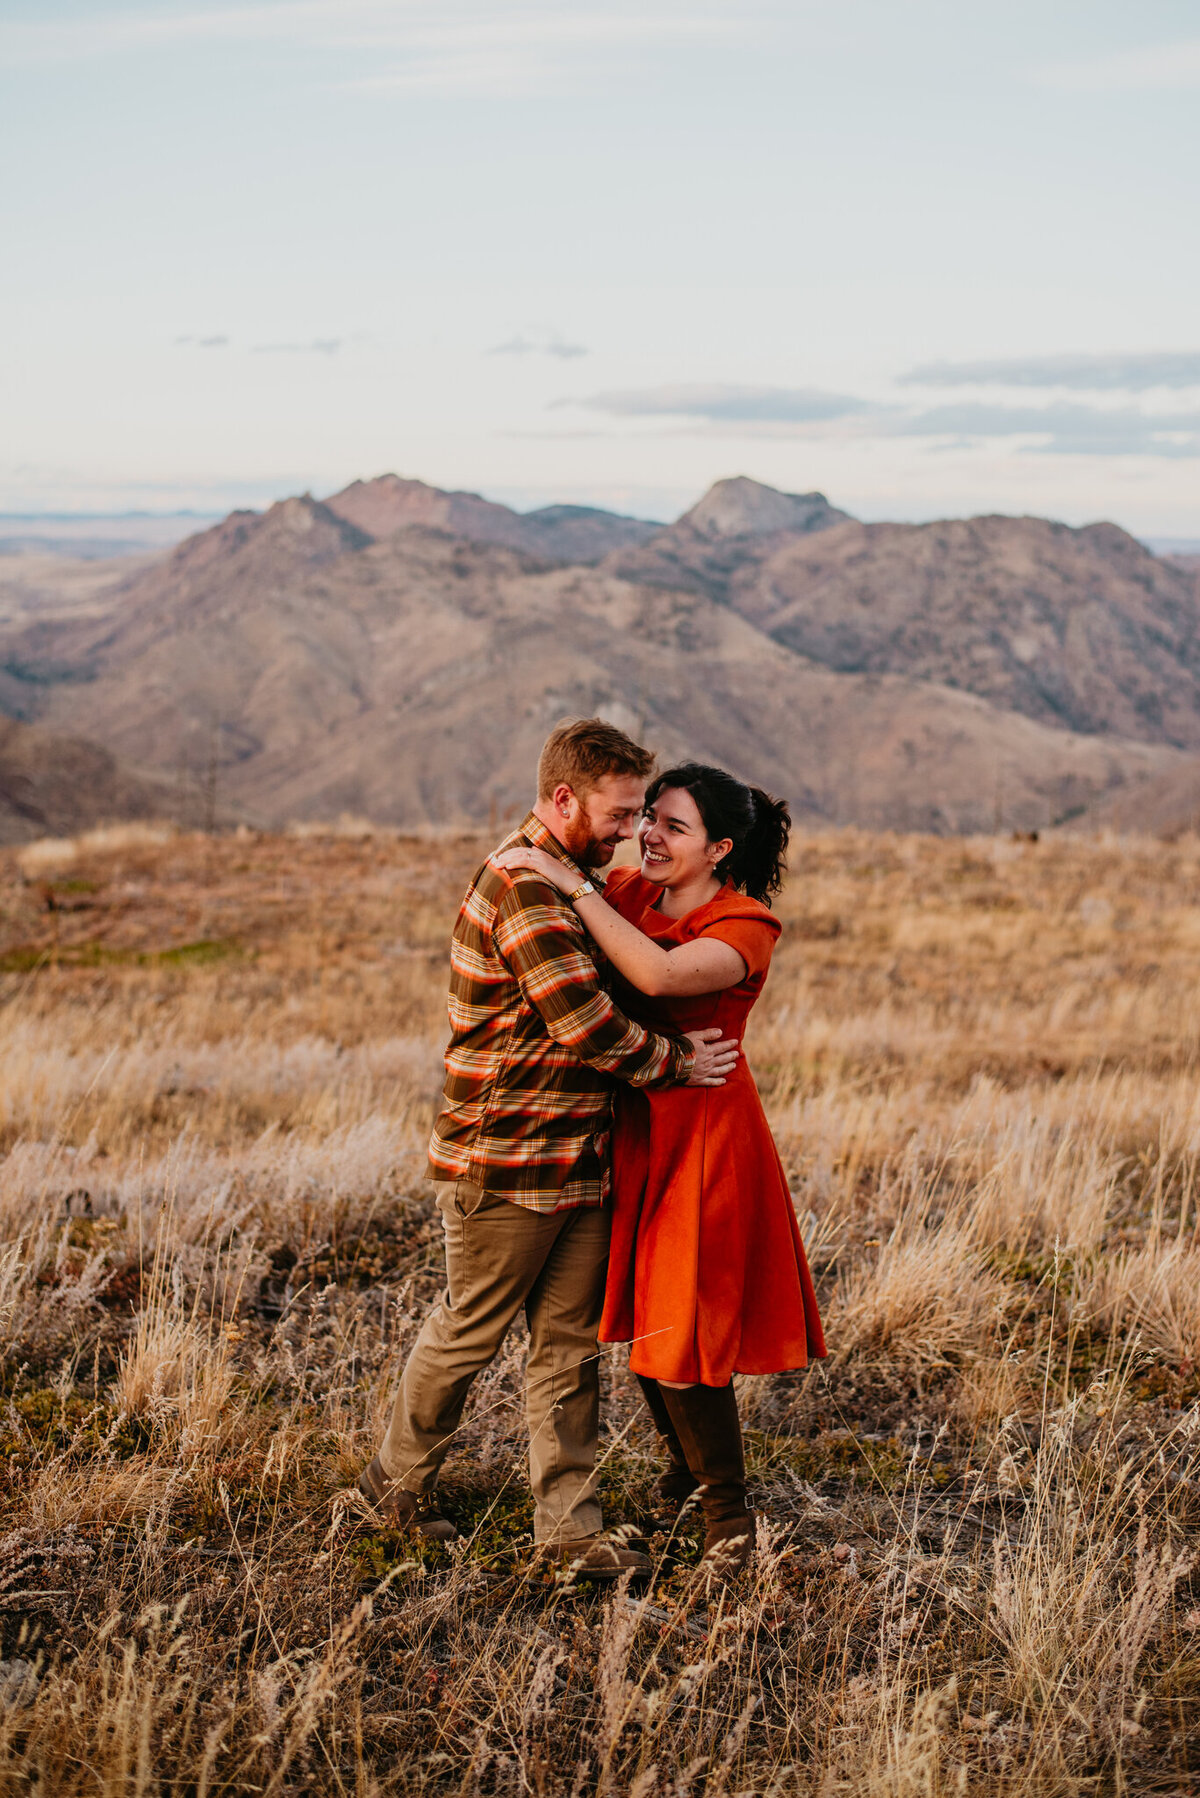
(580, 1571)
(578, 1574)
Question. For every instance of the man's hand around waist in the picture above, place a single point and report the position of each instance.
(716, 1056)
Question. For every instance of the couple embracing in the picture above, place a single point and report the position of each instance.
(601, 1159)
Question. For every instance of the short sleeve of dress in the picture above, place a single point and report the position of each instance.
(753, 938)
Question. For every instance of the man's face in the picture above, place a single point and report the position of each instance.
(593, 827)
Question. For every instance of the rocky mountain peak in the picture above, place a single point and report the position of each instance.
(391, 503)
(740, 507)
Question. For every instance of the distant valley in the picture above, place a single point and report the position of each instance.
(398, 652)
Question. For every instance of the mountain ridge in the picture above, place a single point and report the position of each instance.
(391, 503)
(313, 665)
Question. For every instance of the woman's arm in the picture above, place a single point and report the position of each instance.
(699, 967)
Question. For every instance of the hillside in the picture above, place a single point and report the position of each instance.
(1078, 628)
(53, 784)
(371, 654)
(413, 679)
(978, 1061)
(1163, 804)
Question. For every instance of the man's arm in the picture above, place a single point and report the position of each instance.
(534, 934)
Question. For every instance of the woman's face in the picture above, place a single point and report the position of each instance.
(674, 843)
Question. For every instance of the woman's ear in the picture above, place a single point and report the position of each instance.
(718, 851)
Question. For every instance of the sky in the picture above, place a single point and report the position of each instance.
(933, 258)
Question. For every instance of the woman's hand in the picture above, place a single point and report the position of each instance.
(548, 866)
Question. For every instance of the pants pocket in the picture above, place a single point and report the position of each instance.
(468, 1198)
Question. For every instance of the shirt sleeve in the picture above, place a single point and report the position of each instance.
(753, 938)
(540, 940)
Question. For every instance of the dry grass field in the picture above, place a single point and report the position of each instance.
(978, 1569)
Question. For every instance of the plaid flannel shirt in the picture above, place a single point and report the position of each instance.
(535, 1044)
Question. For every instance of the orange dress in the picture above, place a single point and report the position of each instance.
(707, 1275)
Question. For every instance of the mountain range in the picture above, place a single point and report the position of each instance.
(399, 652)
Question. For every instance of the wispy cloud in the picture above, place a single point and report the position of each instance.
(539, 343)
(1076, 430)
(721, 404)
(1131, 373)
(463, 45)
(1072, 428)
(1147, 67)
(312, 346)
(315, 346)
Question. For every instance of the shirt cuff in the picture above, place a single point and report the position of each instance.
(683, 1060)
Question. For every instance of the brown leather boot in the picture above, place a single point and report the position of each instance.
(678, 1483)
(706, 1421)
(415, 1512)
(595, 1557)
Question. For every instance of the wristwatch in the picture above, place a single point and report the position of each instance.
(581, 891)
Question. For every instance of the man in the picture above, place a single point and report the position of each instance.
(520, 1158)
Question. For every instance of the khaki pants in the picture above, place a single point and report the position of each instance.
(500, 1257)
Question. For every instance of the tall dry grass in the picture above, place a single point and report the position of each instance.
(976, 1571)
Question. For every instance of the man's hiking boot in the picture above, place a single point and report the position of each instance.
(415, 1513)
(677, 1483)
(594, 1557)
(706, 1420)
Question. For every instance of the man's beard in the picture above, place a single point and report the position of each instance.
(590, 851)
(597, 855)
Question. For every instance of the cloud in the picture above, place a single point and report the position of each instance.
(315, 346)
(441, 45)
(1147, 68)
(1132, 373)
(538, 343)
(725, 404)
(312, 346)
(1074, 430)
(1071, 428)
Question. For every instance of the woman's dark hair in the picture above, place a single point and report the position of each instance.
(758, 825)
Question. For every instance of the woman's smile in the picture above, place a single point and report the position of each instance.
(673, 818)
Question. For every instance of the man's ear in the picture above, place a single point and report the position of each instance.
(561, 798)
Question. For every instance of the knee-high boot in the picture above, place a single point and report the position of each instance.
(706, 1421)
(678, 1482)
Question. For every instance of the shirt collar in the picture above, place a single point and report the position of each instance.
(533, 828)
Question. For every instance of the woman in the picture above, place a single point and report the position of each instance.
(707, 1274)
